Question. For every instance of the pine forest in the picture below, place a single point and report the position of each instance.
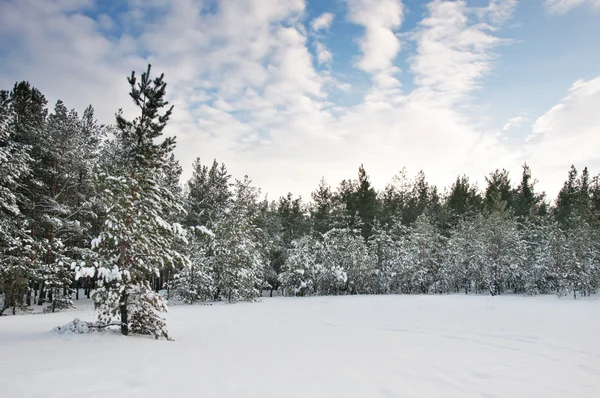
(101, 211)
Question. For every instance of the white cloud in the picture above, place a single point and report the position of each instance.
(64, 54)
(246, 91)
(454, 51)
(514, 122)
(568, 133)
(499, 11)
(564, 6)
(322, 22)
(323, 53)
(379, 44)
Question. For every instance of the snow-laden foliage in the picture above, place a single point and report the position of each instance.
(137, 240)
(17, 267)
(346, 256)
(303, 273)
(238, 249)
(338, 264)
(195, 282)
(76, 326)
(488, 253)
(228, 251)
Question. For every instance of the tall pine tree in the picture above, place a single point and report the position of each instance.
(137, 240)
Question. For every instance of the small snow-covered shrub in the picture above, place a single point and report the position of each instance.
(76, 326)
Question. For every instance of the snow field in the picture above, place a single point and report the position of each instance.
(353, 346)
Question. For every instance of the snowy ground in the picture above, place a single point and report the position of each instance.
(368, 347)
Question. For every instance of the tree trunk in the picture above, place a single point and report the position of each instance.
(124, 314)
(28, 298)
(42, 294)
(88, 287)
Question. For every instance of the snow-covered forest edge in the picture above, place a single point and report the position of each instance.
(99, 211)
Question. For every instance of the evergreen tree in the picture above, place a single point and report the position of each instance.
(195, 282)
(288, 222)
(384, 251)
(463, 200)
(581, 271)
(239, 248)
(366, 203)
(293, 220)
(498, 188)
(360, 202)
(394, 200)
(418, 200)
(303, 272)
(537, 266)
(65, 207)
(428, 248)
(567, 199)
(346, 255)
(465, 257)
(208, 193)
(526, 202)
(269, 222)
(321, 211)
(28, 108)
(16, 269)
(503, 249)
(137, 241)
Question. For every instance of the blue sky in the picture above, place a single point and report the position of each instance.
(289, 91)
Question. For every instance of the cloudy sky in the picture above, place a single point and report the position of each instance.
(289, 91)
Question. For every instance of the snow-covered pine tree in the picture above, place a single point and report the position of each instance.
(65, 208)
(195, 282)
(16, 269)
(28, 118)
(207, 196)
(463, 200)
(464, 258)
(271, 224)
(557, 252)
(169, 179)
(504, 252)
(537, 265)
(394, 198)
(428, 247)
(404, 264)
(418, 199)
(303, 272)
(239, 248)
(322, 208)
(208, 193)
(384, 251)
(137, 241)
(84, 198)
(346, 256)
(581, 270)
